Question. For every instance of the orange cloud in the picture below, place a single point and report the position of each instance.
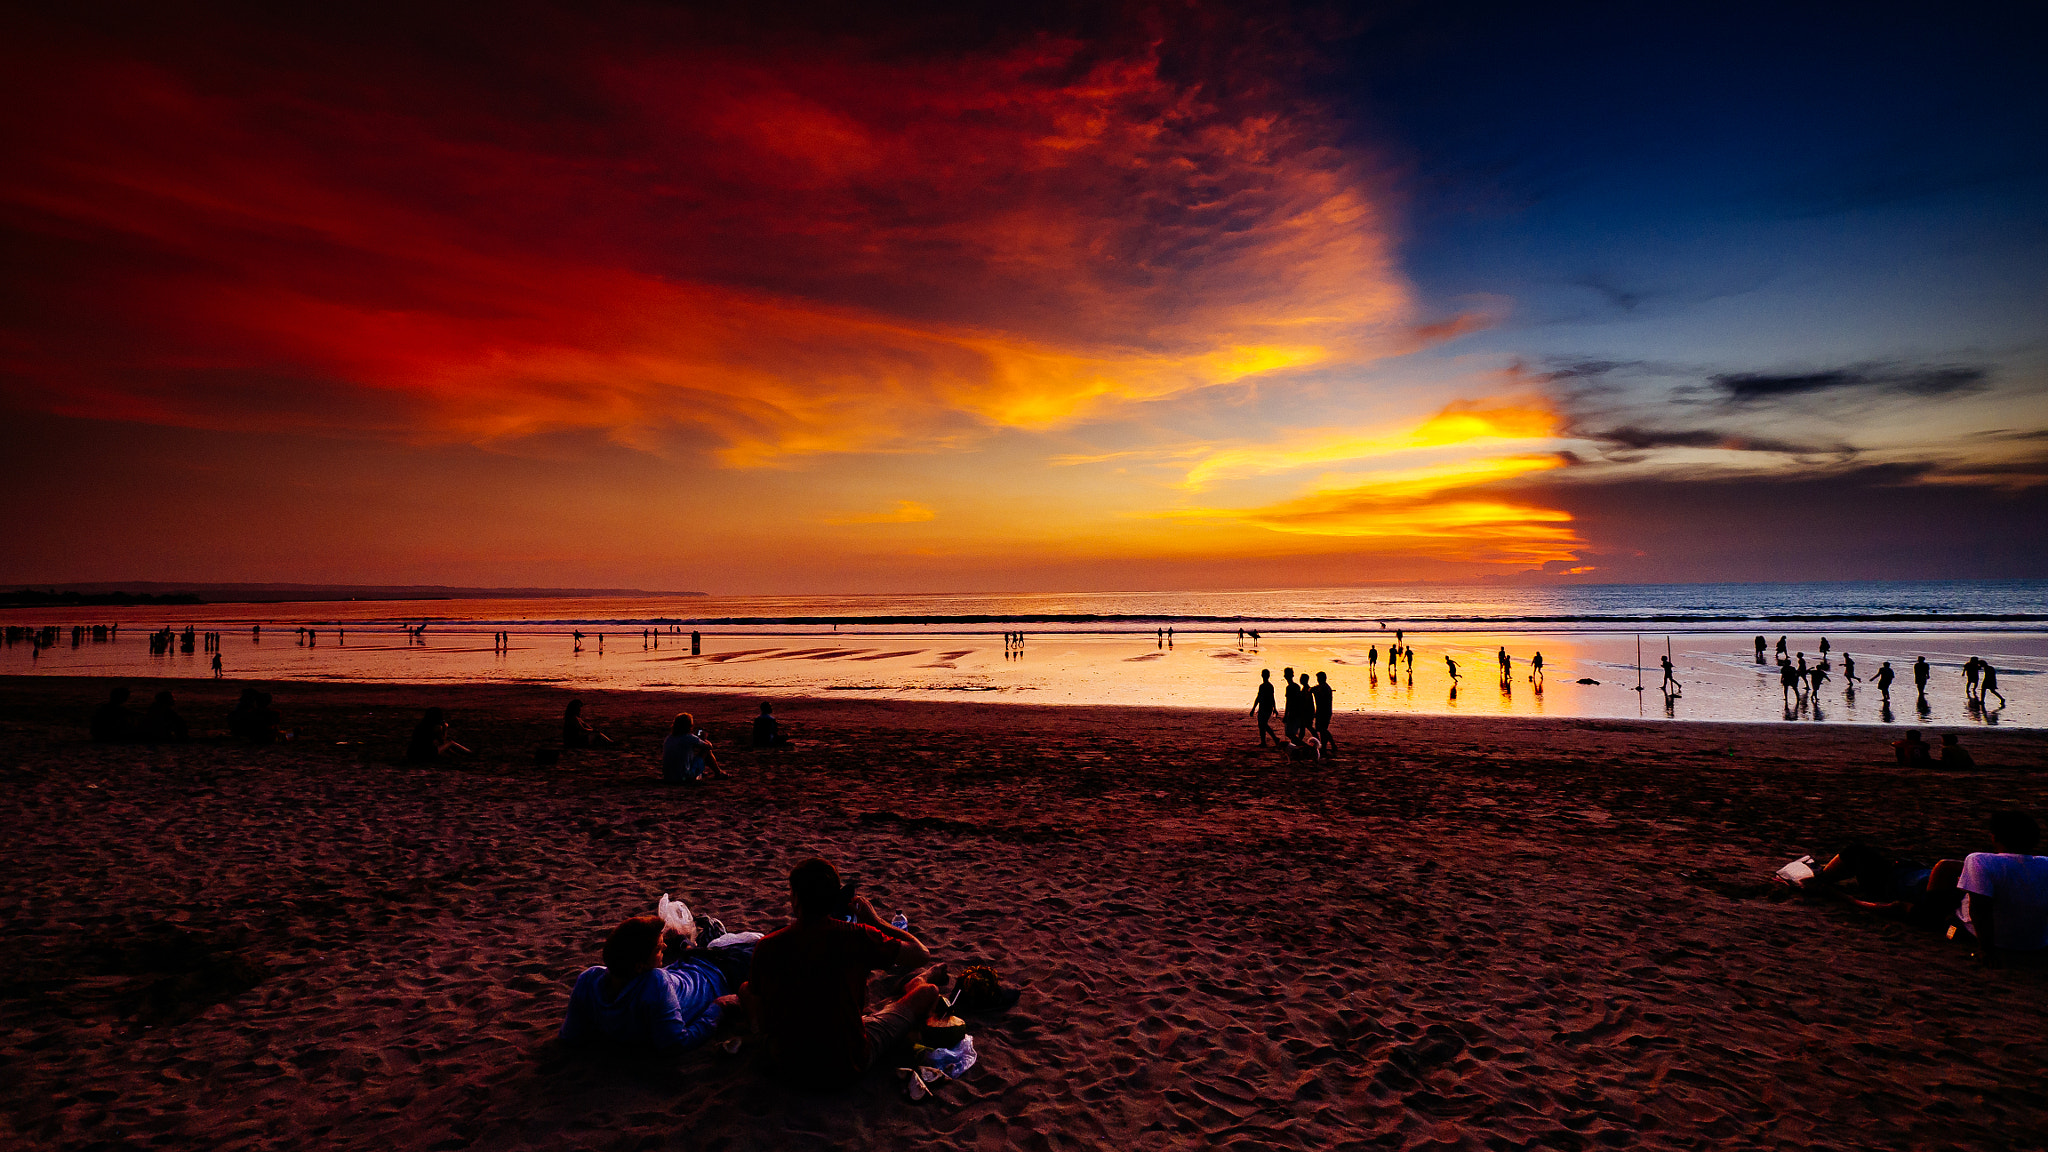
(1468, 424)
(905, 512)
(833, 254)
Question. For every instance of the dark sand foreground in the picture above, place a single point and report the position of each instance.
(1462, 934)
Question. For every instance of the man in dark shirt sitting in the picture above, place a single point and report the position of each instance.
(768, 730)
(808, 988)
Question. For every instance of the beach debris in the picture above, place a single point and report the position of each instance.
(1588, 680)
(955, 1061)
(731, 1046)
(676, 915)
(917, 1082)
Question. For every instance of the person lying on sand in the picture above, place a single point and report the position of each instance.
(634, 1001)
(578, 733)
(430, 740)
(808, 989)
(1999, 899)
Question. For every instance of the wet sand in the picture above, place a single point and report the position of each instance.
(1464, 932)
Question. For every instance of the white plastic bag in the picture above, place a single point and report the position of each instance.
(676, 915)
(954, 1061)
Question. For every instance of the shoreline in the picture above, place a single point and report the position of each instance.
(1508, 931)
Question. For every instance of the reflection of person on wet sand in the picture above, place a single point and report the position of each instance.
(1263, 706)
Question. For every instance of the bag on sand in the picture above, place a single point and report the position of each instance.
(1797, 873)
(676, 915)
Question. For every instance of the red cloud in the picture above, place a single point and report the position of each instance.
(822, 249)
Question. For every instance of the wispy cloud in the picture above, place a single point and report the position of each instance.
(905, 512)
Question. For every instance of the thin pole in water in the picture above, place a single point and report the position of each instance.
(1639, 661)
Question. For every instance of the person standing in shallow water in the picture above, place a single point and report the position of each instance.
(1885, 676)
(1920, 673)
(1263, 707)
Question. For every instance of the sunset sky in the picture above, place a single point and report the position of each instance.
(1173, 296)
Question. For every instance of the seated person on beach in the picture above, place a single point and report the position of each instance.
(808, 989)
(1913, 751)
(162, 722)
(768, 730)
(635, 1001)
(577, 732)
(252, 718)
(430, 740)
(686, 756)
(2005, 901)
(112, 722)
(1954, 755)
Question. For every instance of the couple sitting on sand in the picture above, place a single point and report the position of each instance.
(804, 987)
(1998, 899)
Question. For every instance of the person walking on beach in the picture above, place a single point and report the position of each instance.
(1781, 648)
(216, 666)
(1324, 698)
(1293, 715)
(1670, 681)
(1507, 664)
(1848, 670)
(1790, 683)
(1372, 661)
(1972, 668)
(1990, 684)
(1263, 707)
(1823, 648)
(1884, 678)
(1451, 666)
(1920, 673)
(1411, 660)
(1536, 664)
(1759, 649)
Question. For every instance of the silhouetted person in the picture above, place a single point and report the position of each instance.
(1848, 670)
(1885, 676)
(1411, 660)
(1294, 712)
(216, 666)
(1781, 646)
(1324, 699)
(1913, 751)
(685, 755)
(162, 722)
(768, 730)
(1788, 680)
(1506, 665)
(1954, 755)
(1759, 649)
(1920, 671)
(1372, 659)
(577, 732)
(111, 722)
(1451, 666)
(1989, 686)
(1972, 668)
(1536, 662)
(430, 739)
(1670, 681)
(1263, 706)
(1823, 647)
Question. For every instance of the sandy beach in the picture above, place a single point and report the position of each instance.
(1491, 933)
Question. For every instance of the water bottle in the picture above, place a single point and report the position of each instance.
(901, 922)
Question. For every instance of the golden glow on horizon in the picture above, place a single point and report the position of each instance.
(1460, 424)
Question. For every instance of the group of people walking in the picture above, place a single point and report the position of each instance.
(1304, 714)
(1800, 680)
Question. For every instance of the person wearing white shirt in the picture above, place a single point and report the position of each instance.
(2005, 901)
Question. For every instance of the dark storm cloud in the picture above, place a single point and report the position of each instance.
(1895, 379)
(1638, 439)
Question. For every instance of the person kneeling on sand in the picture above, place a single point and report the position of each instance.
(635, 1001)
(685, 754)
(808, 989)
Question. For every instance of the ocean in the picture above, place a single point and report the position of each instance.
(1114, 647)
